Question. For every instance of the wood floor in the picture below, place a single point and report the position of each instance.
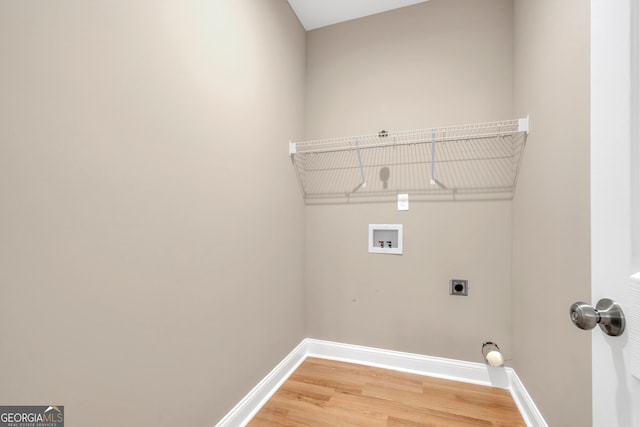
(323, 393)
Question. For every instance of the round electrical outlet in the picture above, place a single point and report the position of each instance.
(459, 287)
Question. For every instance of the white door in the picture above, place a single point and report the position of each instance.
(615, 193)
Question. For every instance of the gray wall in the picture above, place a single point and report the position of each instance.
(551, 238)
(443, 62)
(151, 229)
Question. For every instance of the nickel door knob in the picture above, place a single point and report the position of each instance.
(607, 314)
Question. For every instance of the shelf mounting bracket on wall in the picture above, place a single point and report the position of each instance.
(523, 125)
(292, 150)
(363, 182)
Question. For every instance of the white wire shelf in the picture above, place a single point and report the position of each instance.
(478, 161)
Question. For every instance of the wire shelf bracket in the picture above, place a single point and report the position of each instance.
(478, 162)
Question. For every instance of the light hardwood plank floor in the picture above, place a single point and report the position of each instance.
(324, 393)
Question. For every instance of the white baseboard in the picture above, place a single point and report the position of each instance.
(249, 406)
(528, 409)
(469, 372)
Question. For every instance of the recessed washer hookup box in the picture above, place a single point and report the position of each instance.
(385, 239)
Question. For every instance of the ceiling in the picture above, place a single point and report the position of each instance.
(320, 13)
